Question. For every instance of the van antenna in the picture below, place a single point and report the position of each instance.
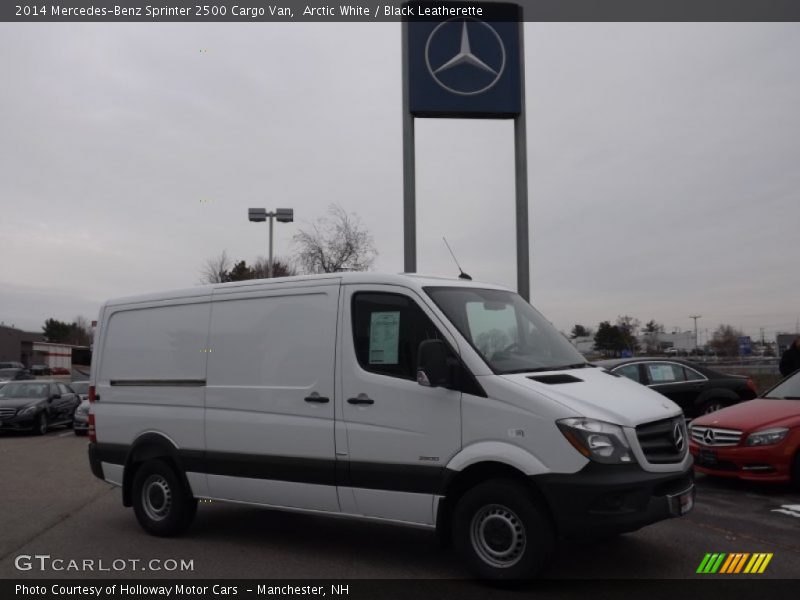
(461, 275)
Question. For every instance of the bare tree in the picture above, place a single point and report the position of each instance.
(629, 328)
(216, 269)
(335, 242)
(725, 340)
(280, 268)
(81, 332)
(652, 331)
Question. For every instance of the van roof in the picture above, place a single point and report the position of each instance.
(411, 280)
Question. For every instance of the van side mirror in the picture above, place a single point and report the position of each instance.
(433, 364)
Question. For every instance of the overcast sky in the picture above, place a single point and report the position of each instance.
(664, 163)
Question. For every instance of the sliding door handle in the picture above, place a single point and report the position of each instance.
(362, 399)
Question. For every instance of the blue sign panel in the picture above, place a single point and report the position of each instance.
(745, 346)
(466, 66)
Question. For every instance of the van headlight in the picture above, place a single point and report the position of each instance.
(600, 441)
(767, 437)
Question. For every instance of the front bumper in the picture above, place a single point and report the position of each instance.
(607, 499)
(80, 423)
(17, 423)
(752, 463)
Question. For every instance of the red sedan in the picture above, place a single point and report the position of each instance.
(756, 440)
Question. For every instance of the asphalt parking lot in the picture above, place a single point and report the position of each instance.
(50, 504)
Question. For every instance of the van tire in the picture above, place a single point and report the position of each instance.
(502, 532)
(162, 504)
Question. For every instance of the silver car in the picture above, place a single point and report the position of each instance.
(80, 423)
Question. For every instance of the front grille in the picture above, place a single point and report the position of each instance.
(714, 436)
(7, 413)
(659, 441)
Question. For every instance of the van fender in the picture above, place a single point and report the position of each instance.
(498, 452)
(148, 446)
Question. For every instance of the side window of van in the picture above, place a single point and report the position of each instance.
(387, 331)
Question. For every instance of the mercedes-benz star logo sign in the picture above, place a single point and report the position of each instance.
(708, 437)
(465, 56)
(677, 437)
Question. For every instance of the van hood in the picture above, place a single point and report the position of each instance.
(597, 394)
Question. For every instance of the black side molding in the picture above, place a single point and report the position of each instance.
(158, 382)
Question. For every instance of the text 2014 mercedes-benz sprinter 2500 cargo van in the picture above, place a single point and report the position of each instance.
(439, 403)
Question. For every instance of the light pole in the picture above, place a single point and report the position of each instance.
(257, 215)
(695, 317)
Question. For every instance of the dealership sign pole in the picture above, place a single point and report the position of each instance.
(465, 63)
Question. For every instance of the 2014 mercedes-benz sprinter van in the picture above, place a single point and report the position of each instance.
(438, 403)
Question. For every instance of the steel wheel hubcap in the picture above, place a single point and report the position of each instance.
(156, 497)
(498, 536)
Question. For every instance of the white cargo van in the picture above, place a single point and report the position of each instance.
(437, 403)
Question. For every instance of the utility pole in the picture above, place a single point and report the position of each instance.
(695, 317)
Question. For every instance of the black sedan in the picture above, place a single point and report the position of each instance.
(695, 388)
(36, 406)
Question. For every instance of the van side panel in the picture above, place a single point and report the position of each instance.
(151, 374)
(267, 443)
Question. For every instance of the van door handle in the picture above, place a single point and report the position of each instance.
(362, 399)
(315, 397)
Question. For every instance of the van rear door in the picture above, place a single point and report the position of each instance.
(270, 395)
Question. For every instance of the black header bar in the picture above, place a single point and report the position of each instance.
(298, 11)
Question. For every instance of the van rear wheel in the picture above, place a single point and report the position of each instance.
(162, 504)
(501, 532)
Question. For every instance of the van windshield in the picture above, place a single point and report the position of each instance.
(510, 335)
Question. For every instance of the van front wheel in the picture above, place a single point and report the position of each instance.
(162, 504)
(501, 532)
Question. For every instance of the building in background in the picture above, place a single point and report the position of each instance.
(784, 340)
(680, 341)
(17, 345)
(31, 348)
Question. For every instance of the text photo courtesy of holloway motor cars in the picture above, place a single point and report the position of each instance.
(448, 299)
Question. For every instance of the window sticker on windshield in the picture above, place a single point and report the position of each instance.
(384, 338)
(659, 373)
